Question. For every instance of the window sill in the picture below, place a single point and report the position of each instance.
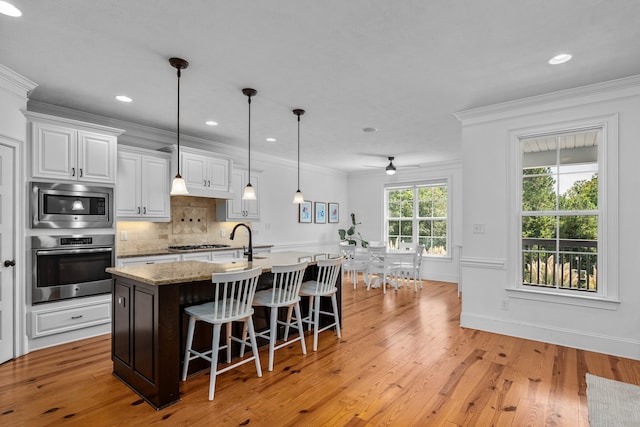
(557, 298)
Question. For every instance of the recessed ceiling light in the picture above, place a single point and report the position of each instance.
(560, 59)
(211, 123)
(271, 140)
(9, 9)
(370, 129)
(123, 98)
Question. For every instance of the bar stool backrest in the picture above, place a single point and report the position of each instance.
(233, 293)
(286, 283)
(328, 270)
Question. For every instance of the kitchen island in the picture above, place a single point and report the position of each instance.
(149, 326)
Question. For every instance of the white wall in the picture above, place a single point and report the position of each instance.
(366, 200)
(489, 261)
(279, 216)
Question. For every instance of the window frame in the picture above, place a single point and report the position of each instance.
(414, 185)
(607, 213)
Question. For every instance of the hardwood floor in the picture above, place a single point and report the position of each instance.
(403, 360)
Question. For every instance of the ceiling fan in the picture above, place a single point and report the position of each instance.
(390, 169)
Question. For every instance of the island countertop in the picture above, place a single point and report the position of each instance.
(194, 271)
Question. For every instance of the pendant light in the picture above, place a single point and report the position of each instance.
(390, 169)
(298, 197)
(249, 192)
(178, 187)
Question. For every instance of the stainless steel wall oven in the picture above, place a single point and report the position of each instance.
(71, 266)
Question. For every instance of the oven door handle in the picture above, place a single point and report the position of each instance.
(73, 251)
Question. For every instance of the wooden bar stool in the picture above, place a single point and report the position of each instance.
(323, 286)
(285, 292)
(232, 298)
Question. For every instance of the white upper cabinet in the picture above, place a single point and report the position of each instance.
(236, 209)
(143, 186)
(72, 151)
(206, 174)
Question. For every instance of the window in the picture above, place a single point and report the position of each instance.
(560, 211)
(418, 214)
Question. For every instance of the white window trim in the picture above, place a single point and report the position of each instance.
(608, 281)
(442, 180)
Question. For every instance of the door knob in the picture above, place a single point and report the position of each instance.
(10, 263)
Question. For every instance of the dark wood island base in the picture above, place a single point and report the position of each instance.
(149, 326)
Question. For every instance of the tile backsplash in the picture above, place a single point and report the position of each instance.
(193, 221)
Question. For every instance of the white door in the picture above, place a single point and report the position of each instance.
(7, 253)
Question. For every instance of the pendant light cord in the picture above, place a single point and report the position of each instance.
(249, 177)
(178, 125)
(298, 152)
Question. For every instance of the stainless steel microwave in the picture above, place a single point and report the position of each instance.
(70, 206)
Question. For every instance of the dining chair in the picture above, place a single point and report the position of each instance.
(285, 292)
(353, 263)
(233, 295)
(383, 267)
(323, 286)
(408, 270)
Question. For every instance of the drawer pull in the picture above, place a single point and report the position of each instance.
(79, 316)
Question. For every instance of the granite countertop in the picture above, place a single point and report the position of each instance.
(167, 251)
(194, 271)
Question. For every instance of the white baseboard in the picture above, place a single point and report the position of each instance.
(615, 346)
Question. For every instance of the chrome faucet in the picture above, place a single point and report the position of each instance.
(249, 253)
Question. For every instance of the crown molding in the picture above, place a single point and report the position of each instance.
(626, 87)
(15, 82)
(137, 135)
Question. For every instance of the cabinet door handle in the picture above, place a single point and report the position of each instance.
(122, 301)
(144, 210)
(73, 171)
(205, 183)
(76, 317)
(208, 183)
(80, 172)
(138, 209)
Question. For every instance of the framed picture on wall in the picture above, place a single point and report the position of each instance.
(334, 212)
(321, 213)
(304, 212)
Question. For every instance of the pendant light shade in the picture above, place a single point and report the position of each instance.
(298, 197)
(178, 186)
(390, 169)
(249, 192)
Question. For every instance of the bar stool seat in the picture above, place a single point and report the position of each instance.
(232, 298)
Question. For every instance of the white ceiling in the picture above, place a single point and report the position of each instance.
(400, 66)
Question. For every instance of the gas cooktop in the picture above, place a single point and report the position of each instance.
(197, 247)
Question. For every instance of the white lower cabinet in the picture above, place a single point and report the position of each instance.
(47, 321)
(212, 256)
(153, 259)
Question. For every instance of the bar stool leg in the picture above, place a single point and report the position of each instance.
(214, 359)
(316, 323)
(254, 345)
(300, 327)
(334, 302)
(190, 331)
(273, 332)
